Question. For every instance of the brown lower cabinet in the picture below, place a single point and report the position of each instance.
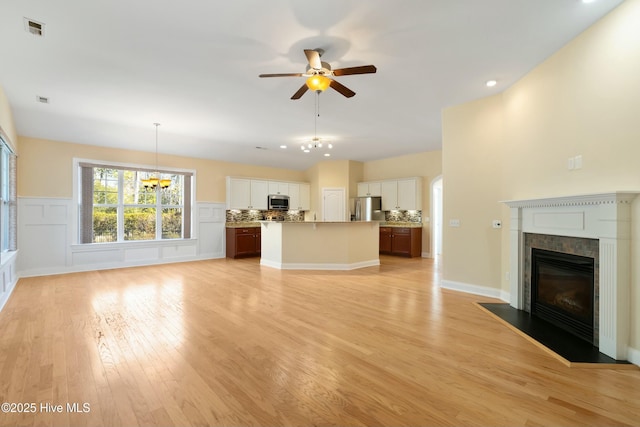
(243, 242)
(402, 241)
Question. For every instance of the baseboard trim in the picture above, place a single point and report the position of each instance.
(475, 290)
(319, 266)
(633, 355)
(113, 266)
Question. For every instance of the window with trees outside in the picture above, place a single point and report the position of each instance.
(8, 205)
(116, 207)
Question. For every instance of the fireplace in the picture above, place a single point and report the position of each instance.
(562, 291)
(604, 219)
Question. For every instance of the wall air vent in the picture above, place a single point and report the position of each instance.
(42, 99)
(34, 27)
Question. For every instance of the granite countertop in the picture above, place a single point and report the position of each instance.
(401, 224)
(382, 223)
(242, 224)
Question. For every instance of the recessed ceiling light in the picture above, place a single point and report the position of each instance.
(283, 146)
(306, 151)
(327, 155)
(588, 1)
(34, 27)
(491, 83)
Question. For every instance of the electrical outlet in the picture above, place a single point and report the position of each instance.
(454, 223)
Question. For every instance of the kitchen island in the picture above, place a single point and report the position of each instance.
(320, 245)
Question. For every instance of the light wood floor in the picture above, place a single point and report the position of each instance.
(226, 342)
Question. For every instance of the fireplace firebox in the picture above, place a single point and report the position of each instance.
(562, 291)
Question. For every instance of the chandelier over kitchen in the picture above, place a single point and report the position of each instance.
(154, 181)
(316, 143)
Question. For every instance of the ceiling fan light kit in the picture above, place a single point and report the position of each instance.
(318, 83)
(319, 75)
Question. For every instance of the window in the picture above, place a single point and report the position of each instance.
(116, 207)
(8, 206)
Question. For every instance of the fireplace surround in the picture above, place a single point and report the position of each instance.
(604, 218)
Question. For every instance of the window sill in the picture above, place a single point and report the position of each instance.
(78, 247)
(7, 257)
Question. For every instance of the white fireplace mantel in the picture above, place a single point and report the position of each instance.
(606, 217)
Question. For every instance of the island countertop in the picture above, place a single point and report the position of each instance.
(320, 245)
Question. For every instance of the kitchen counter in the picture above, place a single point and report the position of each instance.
(242, 224)
(319, 245)
(401, 224)
(382, 223)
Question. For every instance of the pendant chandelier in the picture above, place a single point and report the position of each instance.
(316, 143)
(154, 181)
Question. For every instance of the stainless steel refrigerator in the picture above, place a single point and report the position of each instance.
(367, 209)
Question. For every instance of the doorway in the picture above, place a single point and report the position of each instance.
(436, 217)
(333, 206)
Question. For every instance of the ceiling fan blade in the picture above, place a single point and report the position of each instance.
(282, 75)
(300, 91)
(363, 69)
(342, 89)
(313, 56)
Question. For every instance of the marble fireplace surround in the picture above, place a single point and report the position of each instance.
(606, 217)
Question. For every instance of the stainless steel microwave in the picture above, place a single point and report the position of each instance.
(278, 202)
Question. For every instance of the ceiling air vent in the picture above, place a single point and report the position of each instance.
(42, 99)
(34, 27)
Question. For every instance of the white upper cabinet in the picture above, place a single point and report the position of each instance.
(369, 189)
(259, 194)
(294, 196)
(389, 193)
(281, 188)
(247, 193)
(402, 194)
(299, 197)
(305, 197)
(410, 194)
(238, 193)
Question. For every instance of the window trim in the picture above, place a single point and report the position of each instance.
(8, 205)
(80, 164)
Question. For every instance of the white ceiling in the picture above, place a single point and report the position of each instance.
(111, 68)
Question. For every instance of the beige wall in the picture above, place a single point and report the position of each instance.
(473, 139)
(6, 121)
(427, 165)
(327, 174)
(581, 101)
(45, 168)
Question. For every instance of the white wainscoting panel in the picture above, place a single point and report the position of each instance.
(44, 235)
(8, 276)
(47, 226)
(210, 219)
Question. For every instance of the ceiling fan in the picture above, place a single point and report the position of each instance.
(319, 72)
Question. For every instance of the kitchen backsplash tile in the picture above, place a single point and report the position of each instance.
(403, 216)
(255, 215)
